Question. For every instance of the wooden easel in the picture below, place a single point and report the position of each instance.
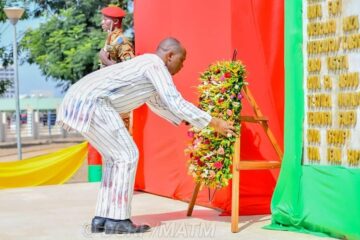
(244, 165)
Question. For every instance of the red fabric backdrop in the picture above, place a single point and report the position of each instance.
(210, 30)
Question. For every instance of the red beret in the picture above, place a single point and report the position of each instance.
(113, 11)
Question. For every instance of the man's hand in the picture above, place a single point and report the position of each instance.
(105, 58)
(223, 127)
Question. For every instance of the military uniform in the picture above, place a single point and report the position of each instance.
(120, 49)
(118, 46)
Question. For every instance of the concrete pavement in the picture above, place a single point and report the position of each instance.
(65, 211)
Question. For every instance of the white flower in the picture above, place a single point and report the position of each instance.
(209, 154)
(191, 167)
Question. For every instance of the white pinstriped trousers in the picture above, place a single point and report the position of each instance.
(108, 134)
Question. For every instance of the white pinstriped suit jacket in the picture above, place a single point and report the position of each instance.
(126, 86)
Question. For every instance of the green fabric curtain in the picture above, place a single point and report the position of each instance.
(321, 200)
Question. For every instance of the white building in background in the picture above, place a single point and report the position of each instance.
(8, 74)
(41, 94)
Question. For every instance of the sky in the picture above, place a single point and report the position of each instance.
(30, 77)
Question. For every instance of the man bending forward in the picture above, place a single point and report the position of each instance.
(92, 107)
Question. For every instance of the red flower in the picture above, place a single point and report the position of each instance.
(218, 165)
(223, 90)
(227, 75)
(199, 162)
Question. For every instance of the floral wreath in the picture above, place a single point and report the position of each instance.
(220, 95)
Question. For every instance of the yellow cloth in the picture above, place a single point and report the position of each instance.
(53, 168)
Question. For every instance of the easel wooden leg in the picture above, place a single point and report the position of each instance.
(235, 188)
(272, 140)
(193, 200)
(258, 113)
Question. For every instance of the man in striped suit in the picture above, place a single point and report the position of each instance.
(92, 107)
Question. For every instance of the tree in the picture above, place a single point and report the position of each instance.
(66, 45)
(4, 85)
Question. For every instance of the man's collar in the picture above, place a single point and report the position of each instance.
(158, 59)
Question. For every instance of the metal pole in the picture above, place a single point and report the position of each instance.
(49, 122)
(18, 126)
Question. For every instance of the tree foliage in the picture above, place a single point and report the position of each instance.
(4, 85)
(66, 45)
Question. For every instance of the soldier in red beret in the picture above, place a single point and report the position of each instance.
(117, 49)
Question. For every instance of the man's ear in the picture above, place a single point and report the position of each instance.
(168, 56)
(171, 55)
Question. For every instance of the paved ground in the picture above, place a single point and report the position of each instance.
(32, 148)
(64, 212)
